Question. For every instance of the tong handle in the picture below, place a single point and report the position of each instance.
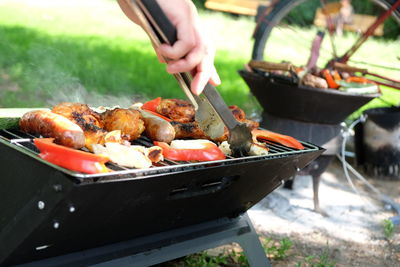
(162, 22)
(164, 27)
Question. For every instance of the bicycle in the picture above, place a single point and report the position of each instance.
(281, 19)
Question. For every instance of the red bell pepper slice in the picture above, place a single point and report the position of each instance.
(158, 115)
(152, 104)
(329, 79)
(208, 151)
(276, 137)
(151, 107)
(72, 159)
(357, 79)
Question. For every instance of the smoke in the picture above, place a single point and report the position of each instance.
(93, 99)
(51, 78)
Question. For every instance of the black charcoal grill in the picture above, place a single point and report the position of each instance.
(46, 210)
(304, 112)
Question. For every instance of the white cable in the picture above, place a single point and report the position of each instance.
(347, 166)
(342, 158)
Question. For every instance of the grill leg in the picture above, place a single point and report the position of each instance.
(252, 248)
(316, 168)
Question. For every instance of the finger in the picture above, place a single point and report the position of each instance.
(186, 41)
(199, 82)
(188, 63)
(214, 78)
(159, 56)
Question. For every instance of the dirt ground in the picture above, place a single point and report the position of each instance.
(352, 234)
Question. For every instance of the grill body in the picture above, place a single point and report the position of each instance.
(46, 211)
(303, 103)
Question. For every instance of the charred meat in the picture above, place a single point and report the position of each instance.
(127, 120)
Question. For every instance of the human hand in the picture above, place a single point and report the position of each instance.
(192, 52)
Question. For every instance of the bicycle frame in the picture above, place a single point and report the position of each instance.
(364, 37)
(369, 32)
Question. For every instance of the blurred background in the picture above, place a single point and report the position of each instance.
(52, 51)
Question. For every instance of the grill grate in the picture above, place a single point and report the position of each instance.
(24, 143)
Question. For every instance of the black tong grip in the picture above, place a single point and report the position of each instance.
(162, 22)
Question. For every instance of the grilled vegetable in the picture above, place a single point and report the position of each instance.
(72, 159)
(357, 79)
(256, 149)
(152, 104)
(329, 79)
(189, 150)
(275, 137)
(138, 157)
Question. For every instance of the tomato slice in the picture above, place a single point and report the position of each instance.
(72, 159)
(197, 150)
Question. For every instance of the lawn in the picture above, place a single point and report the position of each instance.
(89, 51)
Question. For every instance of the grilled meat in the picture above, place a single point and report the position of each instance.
(49, 124)
(156, 128)
(127, 120)
(177, 110)
(81, 114)
(87, 119)
(240, 116)
(192, 130)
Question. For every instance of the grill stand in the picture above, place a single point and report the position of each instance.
(161, 247)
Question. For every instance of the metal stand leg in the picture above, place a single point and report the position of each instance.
(170, 245)
(250, 243)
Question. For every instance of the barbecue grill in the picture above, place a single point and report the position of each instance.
(46, 210)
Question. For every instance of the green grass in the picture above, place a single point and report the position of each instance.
(388, 229)
(54, 49)
(82, 50)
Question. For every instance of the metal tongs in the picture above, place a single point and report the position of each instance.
(212, 113)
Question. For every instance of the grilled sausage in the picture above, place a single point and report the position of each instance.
(49, 124)
(156, 128)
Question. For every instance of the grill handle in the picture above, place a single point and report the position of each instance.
(207, 188)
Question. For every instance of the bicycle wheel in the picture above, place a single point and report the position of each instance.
(287, 32)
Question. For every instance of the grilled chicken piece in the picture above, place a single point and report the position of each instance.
(193, 130)
(127, 120)
(87, 119)
(79, 113)
(90, 122)
(177, 110)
